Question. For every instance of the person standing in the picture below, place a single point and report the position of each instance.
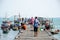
(47, 25)
(36, 24)
(20, 21)
(31, 23)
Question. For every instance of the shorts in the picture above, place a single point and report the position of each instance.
(35, 29)
(47, 27)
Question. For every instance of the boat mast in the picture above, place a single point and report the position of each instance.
(6, 17)
(19, 15)
(14, 17)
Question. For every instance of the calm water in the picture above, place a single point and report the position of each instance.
(56, 22)
(10, 36)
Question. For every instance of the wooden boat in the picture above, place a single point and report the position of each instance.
(15, 28)
(55, 31)
(16, 23)
(5, 26)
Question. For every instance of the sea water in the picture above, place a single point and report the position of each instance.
(10, 36)
(56, 22)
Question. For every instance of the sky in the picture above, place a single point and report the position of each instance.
(29, 8)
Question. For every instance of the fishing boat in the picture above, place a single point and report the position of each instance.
(55, 31)
(16, 23)
(15, 27)
(5, 26)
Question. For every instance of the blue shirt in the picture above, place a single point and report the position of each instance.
(36, 23)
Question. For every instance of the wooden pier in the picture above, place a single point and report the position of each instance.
(29, 35)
